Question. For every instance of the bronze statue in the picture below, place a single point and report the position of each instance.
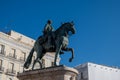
(59, 40)
(48, 27)
(48, 32)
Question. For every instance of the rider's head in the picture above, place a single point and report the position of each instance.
(49, 22)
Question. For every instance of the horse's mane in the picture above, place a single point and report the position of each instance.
(62, 26)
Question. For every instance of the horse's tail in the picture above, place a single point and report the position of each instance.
(29, 59)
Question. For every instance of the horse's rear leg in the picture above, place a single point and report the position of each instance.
(56, 55)
(35, 61)
(40, 54)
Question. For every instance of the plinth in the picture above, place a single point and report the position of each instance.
(51, 73)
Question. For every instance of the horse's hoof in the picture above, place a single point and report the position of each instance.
(55, 64)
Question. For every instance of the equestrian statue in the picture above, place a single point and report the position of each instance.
(51, 41)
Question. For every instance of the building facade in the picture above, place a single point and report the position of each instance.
(91, 71)
(14, 49)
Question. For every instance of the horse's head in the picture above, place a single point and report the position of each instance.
(69, 26)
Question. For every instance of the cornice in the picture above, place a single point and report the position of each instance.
(14, 43)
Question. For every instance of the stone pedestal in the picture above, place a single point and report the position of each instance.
(52, 73)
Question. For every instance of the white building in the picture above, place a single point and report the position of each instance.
(91, 71)
(14, 49)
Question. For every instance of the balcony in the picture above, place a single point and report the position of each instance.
(12, 56)
(1, 69)
(11, 72)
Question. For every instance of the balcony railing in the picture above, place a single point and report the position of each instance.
(12, 56)
(1, 69)
(11, 72)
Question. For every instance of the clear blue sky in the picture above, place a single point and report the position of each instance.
(97, 23)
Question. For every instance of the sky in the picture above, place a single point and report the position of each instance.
(97, 24)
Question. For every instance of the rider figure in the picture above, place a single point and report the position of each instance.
(48, 29)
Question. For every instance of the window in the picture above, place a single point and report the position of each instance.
(1, 68)
(11, 67)
(2, 47)
(71, 78)
(82, 76)
(52, 63)
(12, 53)
(0, 76)
(23, 56)
(10, 70)
(10, 79)
(43, 62)
(33, 58)
(0, 62)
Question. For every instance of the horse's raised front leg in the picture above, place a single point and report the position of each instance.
(72, 50)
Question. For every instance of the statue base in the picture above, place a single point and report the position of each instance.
(51, 73)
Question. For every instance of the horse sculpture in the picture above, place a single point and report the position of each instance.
(60, 43)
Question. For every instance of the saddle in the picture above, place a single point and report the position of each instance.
(47, 39)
